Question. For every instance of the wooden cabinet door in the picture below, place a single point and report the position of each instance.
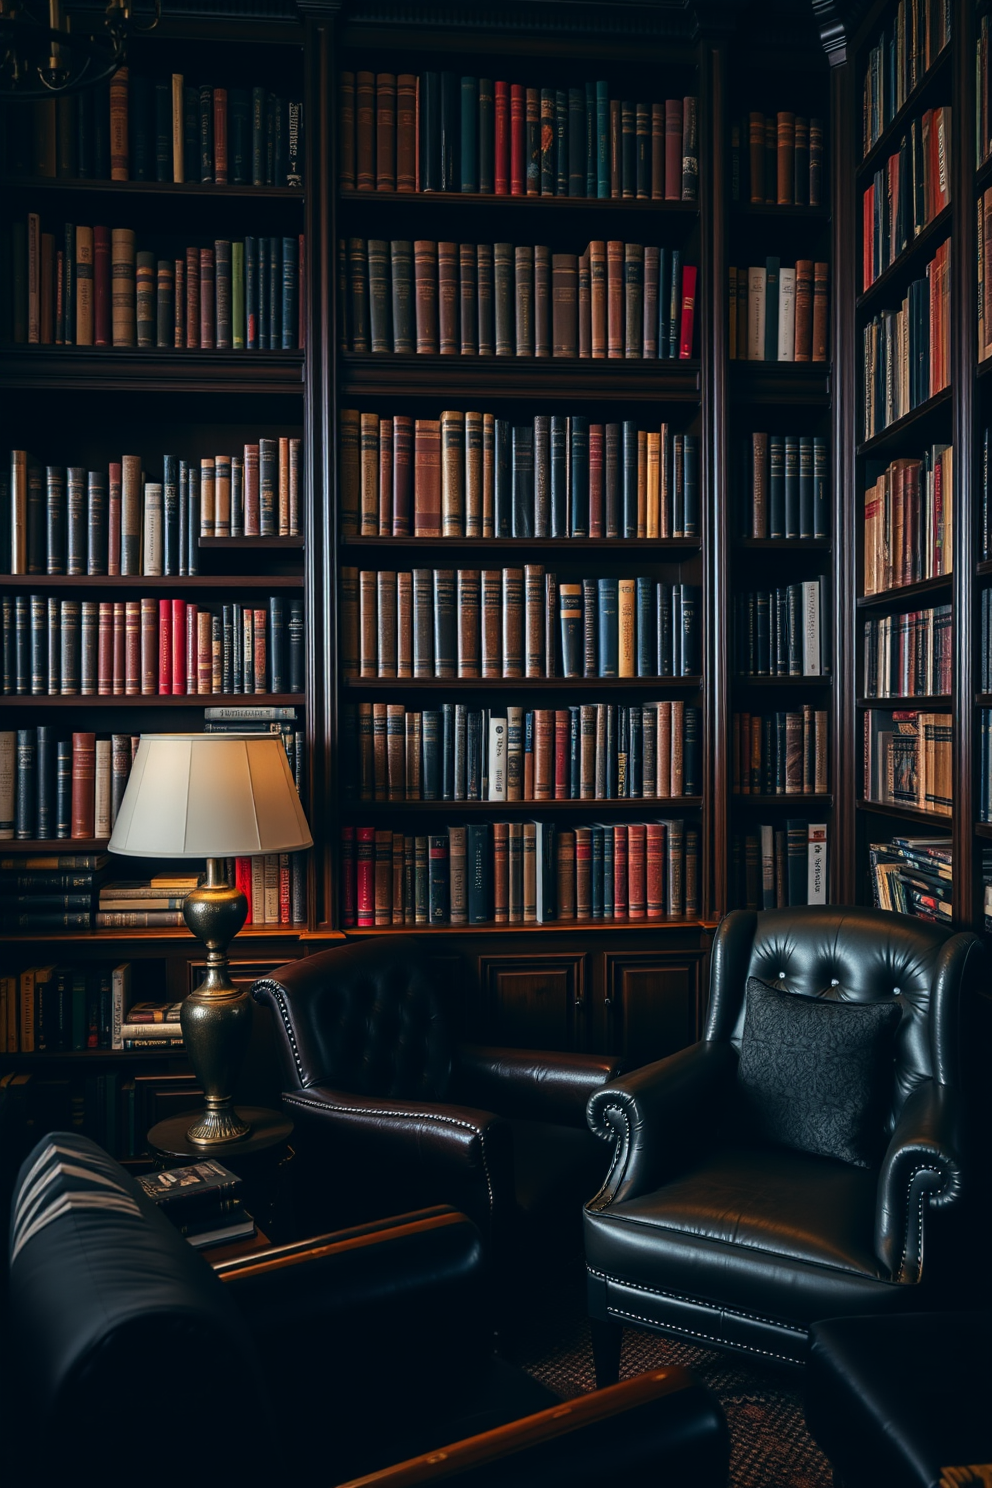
(651, 1004)
(534, 1001)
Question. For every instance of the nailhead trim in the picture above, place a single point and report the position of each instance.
(750, 1317)
(278, 993)
(751, 1348)
(924, 1196)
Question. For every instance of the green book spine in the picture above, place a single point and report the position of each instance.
(238, 296)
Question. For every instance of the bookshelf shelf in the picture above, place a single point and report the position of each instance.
(534, 379)
(780, 382)
(114, 937)
(148, 700)
(744, 679)
(904, 594)
(905, 813)
(898, 274)
(68, 368)
(521, 545)
(625, 805)
(53, 845)
(530, 927)
(983, 829)
(983, 175)
(938, 700)
(783, 544)
(913, 422)
(804, 799)
(936, 79)
(488, 201)
(520, 684)
(984, 568)
(117, 582)
(983, 699)
(249, 544)
(84, 1057)
(187, 191)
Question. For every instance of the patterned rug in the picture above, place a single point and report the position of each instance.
(770, 1446)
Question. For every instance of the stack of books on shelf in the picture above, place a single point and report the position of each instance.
(907, 759)
(614, 299)
(152, 1025)
(784, 632)
(908, 655)
(520, 873)
(909, 520)
(596, 751)
(907, 352)
(777, 159)
(140, 128)
(785, 486)
(203, 1201)
(441, 131)
(913, 876)
(515, 622)
(54, 787)
(49, 892)
(906, 50)
(64, 1008)
(779, 314)
(145, 903)
(93, 286)
(908, 191)
(780, 754)
(476, 475)
(779, 867)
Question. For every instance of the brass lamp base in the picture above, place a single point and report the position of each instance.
(216, 1017)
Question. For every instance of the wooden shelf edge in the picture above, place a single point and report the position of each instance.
(157, 700)
(941, 701)
(508, 684)
(191, 189)
(520, 927)
(524, 544)
(177, 932)
(150, 581)
(928, 237)
(525, 202)
(894, 431)
(806, 798)
(897, 596)
(906, 813)
(625, 804)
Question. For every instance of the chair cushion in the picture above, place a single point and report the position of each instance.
(894, 1400)
(817, 1074)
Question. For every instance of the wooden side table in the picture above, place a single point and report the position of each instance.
(260, 1160)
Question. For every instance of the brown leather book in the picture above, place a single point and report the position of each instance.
(448, 294)
(365, 131)
(785, 156)
(793, 753)
(664, 751)
(425, 272)
(423, 622)
(529, 833)
(204, 652)
(756, 156)
(413, 740)
(368, 655)
(105, 650)
(403, 474)
(771, 149)
(588, 721)
(179, 302)
(385, 527)
(596, 504)
(131, 516)
(597, 298)
(514, 757)
(386, 622)
(380, 764)
(654, 870)
(542, 300)
(346, 130)
(192, 297)
(523, 300)
(566, 875)
(620, 871)
(821, 275)
(673, 149)
(614, 298)
(427, 478)
(348, 587)
(488, 474)
(83, 784)
(474, 425)
(678, 744)
(404, 624)
(469, 607)
(565, 305)
(118, 133)
(385, 131)
(503, 300)
(804, 309)
(583, 873)
(820, 752)
(513, 622)
(627, 622)
(120, 647)
(543, 755)
(261, 652)
(633, 274)
(458, 876)
(501, 872)
(657, 152)
(123, 300)
(468, 291)
(534, 620)
(485, 302)
(208, 299)
(366, 752)
(148, 643)
(759, 485)
(369, 476)
(406, 131)
(452, 473)
(492, 622)
(395, 753)
(585, 306)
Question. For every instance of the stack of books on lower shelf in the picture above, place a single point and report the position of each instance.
(145, 903)
(913, 875)
(203, 1201)
(51, 891)
(152, 1025)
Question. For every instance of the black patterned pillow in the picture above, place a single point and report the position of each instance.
(817, 1074)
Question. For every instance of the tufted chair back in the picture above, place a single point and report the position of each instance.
(852, 955)
(370, 1024)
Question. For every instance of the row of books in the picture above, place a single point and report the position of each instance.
(984, 267)
(907, 759)
(587, 752)
(54, 787)
(274, 885)
(913, 876)
(778, 867)
(93, 286)
(520, 873)
(983, 113)
(614, 299)
(784, 632)
(909, 520)
(149, 647)
(476, 475)
(777, 159)
(117, 1109)
(907, 191)
(69, 520)
(515, 622)
(907, 352)
(780, 754)
(908, 655)
(778, 314)
(442, 131)
(50, 1008)
(905, 51)
(138, 128)
(785, 485)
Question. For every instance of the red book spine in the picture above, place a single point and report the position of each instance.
(192, 640)
(688, 310)
(261, 680)
(193, 297)
(83, 784)
(179, 321)
(242, 880)
(120, 633)
(619, 872)
(114, 520)
(365, 876)
(518, 139)
(165, 646)
(101, 286)
(347, 877)
(562, 731)
(178, 645)
(597, 436)
(654, 870)
(502, 132)
(636, 896)
(105, 650)
(208, 306)
(149, 647)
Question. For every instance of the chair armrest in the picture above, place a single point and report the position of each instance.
(446, 1153)
(921, 1170)
(661, 1427)
(532, 1084)
(659, 1117)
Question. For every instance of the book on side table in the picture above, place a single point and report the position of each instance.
(203, 1201)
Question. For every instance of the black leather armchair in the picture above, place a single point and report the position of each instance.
(706, 1231)
(392, 1112)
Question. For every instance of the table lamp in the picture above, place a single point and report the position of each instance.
(212, 796)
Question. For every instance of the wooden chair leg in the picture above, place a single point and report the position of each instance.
(607, 1339)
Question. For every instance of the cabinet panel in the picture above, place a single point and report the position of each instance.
(652, 1005)
(534, 1001)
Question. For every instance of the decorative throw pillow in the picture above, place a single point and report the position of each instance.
(816, 1073)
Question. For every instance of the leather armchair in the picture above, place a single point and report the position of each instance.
(392, 1112)
(705, 1231)
(339, 1355)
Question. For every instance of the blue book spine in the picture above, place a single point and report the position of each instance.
(592, 145)
(580, 477)
(470, 134)
(602, 139)
(608, 643)
(290, 292)
(574, 753)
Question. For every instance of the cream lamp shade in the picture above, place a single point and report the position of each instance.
(210, 796)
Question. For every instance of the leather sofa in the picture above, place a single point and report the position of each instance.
(392, 1111)
(348, 1353)
(706, 1229)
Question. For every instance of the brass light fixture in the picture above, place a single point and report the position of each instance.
(42, 55)
(212, 796)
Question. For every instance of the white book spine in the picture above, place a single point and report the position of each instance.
(497, 759)
(816, 882)
(120, 991)
(811, 628)
(152, 545)
(787, 315)
(101, 791)
(539, 850)
(8, 774)
(756, 288)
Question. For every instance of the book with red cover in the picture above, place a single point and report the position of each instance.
(688, 310)
(83, 784)
(365, 876)
(502, 132)
(518, 140)
(563, 723)
(596, 505)
(654, 875)
(165, 646)
(242, 880)
(620, 871)
(114, 489)
(178, 645)
(636, 855)
(105, 650)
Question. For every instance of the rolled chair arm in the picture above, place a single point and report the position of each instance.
(532, 1084)
(659, 1117)
(921, 1170)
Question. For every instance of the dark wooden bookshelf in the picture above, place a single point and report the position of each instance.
(194, 190)
(908, 265)
(938, 701)
(154, 582)
(627, 805)
(915, 423)
(539, 380)
(150, 370)
(155, 700)
(520, 684)
(783, 544)
(903, 595)
(924, 95)
(905, 813)
(566, 546)
(530, 203)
